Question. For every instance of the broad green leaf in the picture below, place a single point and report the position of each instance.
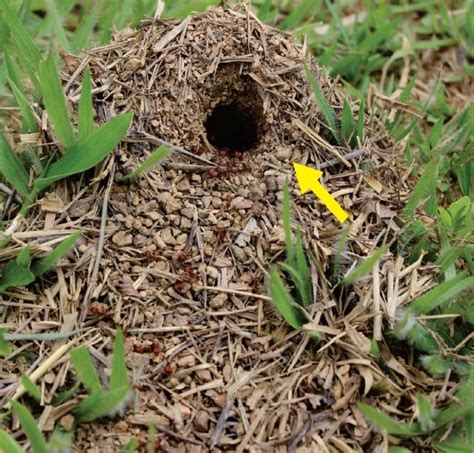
(5, 346)
(28, 118)
(100, 404)
(27, 51)
(47, 262)
(30, 427)
(12, 168)
(159, 154)
(86, 111)
(8, 444)
(14, 275)
(383, 421)
(85, 369)
(31, 387)
(347, 123)
(88, 153)
(365, 267)
(441, 294)
(55, 102)
(119, 378)
(283, 301)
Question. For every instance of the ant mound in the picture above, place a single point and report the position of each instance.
(181, 260)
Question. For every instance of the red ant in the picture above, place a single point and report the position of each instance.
(182, 257)
(152, 256)
(256, 279)
(221, 235)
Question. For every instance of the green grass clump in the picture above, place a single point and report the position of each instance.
(296, 267)
(22, 271)
(99, 403)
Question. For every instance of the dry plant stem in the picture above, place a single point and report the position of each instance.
(100, 245)
(10, 192)
(46, 366)
(138, 137)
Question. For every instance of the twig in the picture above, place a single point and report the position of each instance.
(10, 192)
(350, 156)
(234, 291)
(100, 244)
(137, 137)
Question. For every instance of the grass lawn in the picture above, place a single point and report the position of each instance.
(166, 284)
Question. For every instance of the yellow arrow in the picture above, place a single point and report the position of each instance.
(308, 180)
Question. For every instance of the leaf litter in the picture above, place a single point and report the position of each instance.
(179, 259)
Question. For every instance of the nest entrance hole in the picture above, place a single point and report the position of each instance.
(234, 125)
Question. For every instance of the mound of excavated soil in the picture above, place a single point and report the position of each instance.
(179, 258)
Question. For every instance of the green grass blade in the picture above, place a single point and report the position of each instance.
(31, 387)
(454, 412)
(303, 270)
(347, 123)
(298, 14)
(41, 266)
(86, 110)
(287, 223)
(109, 11)
(61, 441)
(283, 301)
(338, 253)
(360, 122)
(421, 189)
(8, 444)
(89, 152)
(27, 51)
(159, 154)
(85, 369)
(30, 427)
(14, 275)
(383, 421)
(425, 413)
(23, 259)
(29, 123)
(12, 169)
(5, 346)
(58, 26)
(328, 112)
(12, 71)
(365, 267)
(83, 34)
(441, 294)
(55, 102)
(119, 378)
(100, 404)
